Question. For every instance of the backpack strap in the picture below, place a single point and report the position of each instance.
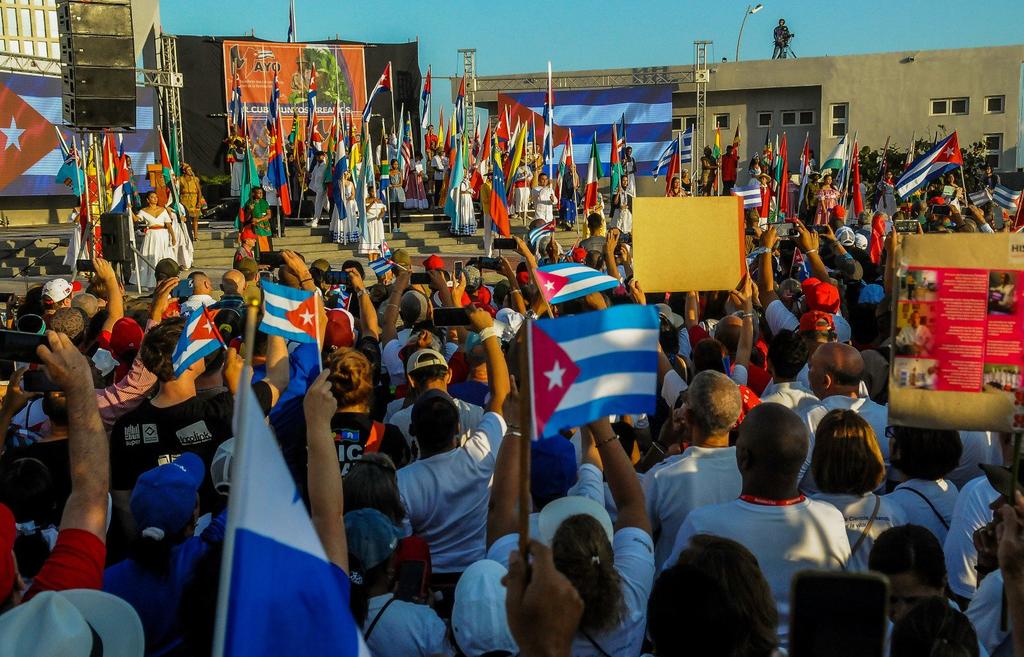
(867, 528)
(373, 624)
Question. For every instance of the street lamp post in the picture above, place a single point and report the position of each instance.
(751, 10)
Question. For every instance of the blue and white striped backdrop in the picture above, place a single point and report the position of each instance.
(648, 111)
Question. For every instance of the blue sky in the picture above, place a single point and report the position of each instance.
(576, 34)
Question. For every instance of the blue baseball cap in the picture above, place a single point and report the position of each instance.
(872, 293)
(552, 468)
(165, 497)
(372, 537)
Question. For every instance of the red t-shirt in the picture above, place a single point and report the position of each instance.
(76, 562)
(729, 167)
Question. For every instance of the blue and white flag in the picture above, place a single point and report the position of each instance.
(279, 594)
(566, 281)
(981, 198)
(940, 158)
(534, 237)
(199, 338)
(686, 154)
(666, 158)
(750, 193)
(381, 266)
(290, 313)
(1005, 198)
(588, 366)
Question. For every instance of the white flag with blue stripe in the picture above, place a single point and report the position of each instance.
(566, 281)
(593, 365)
(381, 266)
(1005, 198)
(686, 154)
(750, 193)
(279, 595)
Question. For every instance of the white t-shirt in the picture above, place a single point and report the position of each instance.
(985, 611)
(970, 513)
(792, 394)
(856, 510)
(785, 540)
(978, 447)
(446, 497)
(873, 413)
(470, 416)
(406, 629)
(941, 493)
(698, 477)
(634, 562)
(780, 318)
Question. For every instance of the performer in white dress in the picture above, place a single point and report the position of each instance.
(521, 182)
(622, 209)
(544, 199)
(467, 215)
(318, 186)
(184, 249)
(415, 192)
(157, 243)
(374, 223)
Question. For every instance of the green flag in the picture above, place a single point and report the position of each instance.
(250, 181)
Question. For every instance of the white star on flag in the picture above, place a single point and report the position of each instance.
(13, 135)
(555, 376)
(549, 286)
(307, 317)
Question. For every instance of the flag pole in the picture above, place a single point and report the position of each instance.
(525, 382)
(252, 302)
(391, 92)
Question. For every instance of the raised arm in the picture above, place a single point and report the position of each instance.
(88, 449)
(621, 478)
(115, 299)
(367, 313)
(326, 499)
(389, 331)
(497, 370)
(610, 243)
(503, 507)
(742, 299)
(808, 242)
(515, 292)
(766, 274)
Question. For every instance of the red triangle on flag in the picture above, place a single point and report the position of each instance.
(304, 316)
(550, 284)
(553, 375)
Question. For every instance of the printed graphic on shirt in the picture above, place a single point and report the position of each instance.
(194, 434)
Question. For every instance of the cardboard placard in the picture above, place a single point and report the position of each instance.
(692, 243)
(958, 333)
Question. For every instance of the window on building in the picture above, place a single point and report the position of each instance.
(690, 122)
(993, 149)
(10, 22)
(950, 106)
(39, 17)
(722, 121)
(26, 22)
(797, 117)
(839, 116)
(995, 104)
(764, 119)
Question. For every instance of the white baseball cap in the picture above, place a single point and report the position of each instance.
(69, 623)
(554, 514)
(479, 623)
(56, 290)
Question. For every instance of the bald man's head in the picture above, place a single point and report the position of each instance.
(835, 369)
(232, 282)
(727, 331)
(201, 283)
(772, 446)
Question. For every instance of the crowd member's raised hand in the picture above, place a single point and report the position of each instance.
(14, 401)
(293, 261)
(542, 606)
(161, 299)
(368, 324)
(807, 241)
(637, 292)
(523, 249)
(610, 245)
(518, 303)
(326, 498)
(88, 449)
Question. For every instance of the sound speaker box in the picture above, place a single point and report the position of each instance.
(115, 237)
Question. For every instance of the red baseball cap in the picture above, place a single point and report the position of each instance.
(579, 254)
(821, 296)
(839, 212)
(247, 234)
(125, 337)
(340, 329)
(815, 320)
(937, 200)
(433, 263)
(8, 532)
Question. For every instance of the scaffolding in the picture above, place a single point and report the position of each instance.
(701, 77)
(635, 77)
(469, 71)
(168, 82)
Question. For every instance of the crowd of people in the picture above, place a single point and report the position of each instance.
(675, 532)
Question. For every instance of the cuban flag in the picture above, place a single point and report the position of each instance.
(235, 107)
(1005, 198)
(303, 608)
(290, 313)
(460, 107)
(750, 193)
(425, 102)
(121, 194)
(199, 339)
(383, 84)
(567, 281)
(381, 266)
(940, 158)
(585, 367)
(534, 236)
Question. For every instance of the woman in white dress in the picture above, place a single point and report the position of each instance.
(374, 223)
(157, 243)
(622, 209)
(184, 249)
(467, 215)
(345, 230)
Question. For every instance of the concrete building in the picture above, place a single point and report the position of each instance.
(976, 91)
